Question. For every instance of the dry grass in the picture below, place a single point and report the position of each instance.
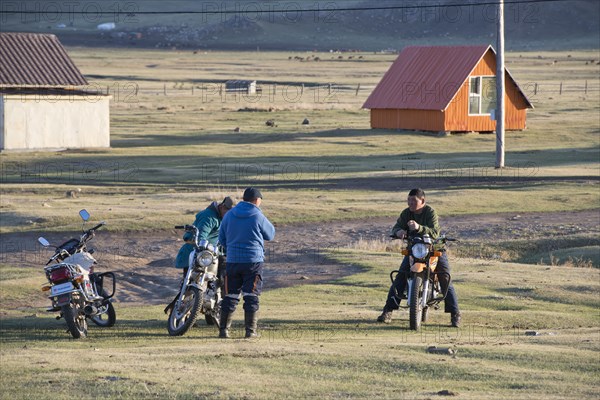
(321, 341)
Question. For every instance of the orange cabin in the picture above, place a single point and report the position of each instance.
(445, 88)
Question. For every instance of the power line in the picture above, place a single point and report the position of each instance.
(269, 10)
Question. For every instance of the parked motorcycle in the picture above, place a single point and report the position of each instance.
(200, 289)
(76, 291)
(423, 290)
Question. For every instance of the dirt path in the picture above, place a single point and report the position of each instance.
(143, 261)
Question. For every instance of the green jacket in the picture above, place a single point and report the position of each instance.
(208, 222)
(427, 218)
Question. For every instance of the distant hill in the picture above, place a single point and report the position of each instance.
(247, 25)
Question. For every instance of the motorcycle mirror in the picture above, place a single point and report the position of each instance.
(84, 214)
(43, 241)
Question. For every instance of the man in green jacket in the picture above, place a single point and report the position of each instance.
(208, 222)
(420, 219)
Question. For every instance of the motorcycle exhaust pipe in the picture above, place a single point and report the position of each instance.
(90, 310)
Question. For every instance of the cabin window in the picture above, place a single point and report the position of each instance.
(482, 95)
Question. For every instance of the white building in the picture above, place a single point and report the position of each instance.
(43, 101)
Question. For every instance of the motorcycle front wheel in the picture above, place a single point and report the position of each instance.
(75, 320)
(416, 309)
(184, 312)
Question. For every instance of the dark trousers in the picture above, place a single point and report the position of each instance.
(443, 267)
(242, 279)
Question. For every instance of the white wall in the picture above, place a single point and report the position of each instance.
(1, 122)
(54, 122)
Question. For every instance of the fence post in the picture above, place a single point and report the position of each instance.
(560, 92)
(357, 89)
(585, 87)
(535, 89)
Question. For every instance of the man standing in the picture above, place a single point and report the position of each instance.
(242, 234)
(420, 219)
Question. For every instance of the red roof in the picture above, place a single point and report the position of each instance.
(427, 78)
(33, 59)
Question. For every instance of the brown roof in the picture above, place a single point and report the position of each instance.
(33, 59)
(427, 78)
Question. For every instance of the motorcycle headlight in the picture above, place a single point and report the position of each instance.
(420, 250)
(205, 259)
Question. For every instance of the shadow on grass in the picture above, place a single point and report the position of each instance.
(344, 172)
(44, 329)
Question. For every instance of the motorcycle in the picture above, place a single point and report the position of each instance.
(76, 291)
(200, 291)
(423, 289)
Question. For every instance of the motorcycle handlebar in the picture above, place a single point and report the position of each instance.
(186, 227)
(101, 224)
(445, 239)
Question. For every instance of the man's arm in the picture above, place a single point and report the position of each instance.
(222, 228)
(431, 225)
(401, 224)
(267, 229)
(206, 225)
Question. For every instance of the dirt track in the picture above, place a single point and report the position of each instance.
(143, 261)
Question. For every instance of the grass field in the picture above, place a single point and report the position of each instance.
(321, 341)
(174, 149)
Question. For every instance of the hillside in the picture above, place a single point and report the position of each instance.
(248, 25)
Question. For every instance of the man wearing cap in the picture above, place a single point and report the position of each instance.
(419, 219)
(242, 234)
(208, 222)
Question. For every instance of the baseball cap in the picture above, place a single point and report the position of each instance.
(227, 203)
(251, 194)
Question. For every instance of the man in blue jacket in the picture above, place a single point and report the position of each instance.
(242, 234)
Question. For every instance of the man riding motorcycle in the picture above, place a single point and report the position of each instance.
(208, 222)
(419, 218)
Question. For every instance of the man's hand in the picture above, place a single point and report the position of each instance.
(400, 234)
(413, 225)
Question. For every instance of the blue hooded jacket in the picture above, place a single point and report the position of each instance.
(243, 232)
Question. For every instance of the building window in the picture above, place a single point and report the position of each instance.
(482, 95)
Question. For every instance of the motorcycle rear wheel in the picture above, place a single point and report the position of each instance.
(416, 310)
(214, 317)
(183, 316)
(107, 319)
(425, 314)
(76, 322)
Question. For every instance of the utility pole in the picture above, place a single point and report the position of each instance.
(500, 87)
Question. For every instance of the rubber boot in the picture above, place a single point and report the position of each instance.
(251, 320)
(225, 324)
(386, 316)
